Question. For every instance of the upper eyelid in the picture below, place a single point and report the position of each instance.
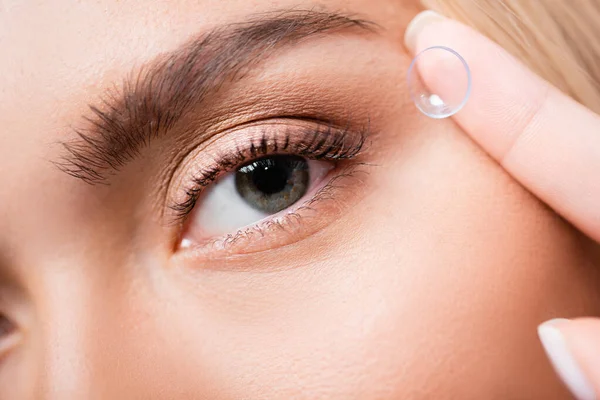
(155, 99)
(341, 143)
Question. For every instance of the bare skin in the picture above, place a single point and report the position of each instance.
(423, 275)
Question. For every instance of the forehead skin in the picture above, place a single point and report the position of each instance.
(435, 286)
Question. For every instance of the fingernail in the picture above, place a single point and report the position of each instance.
(562, 360)
(417, 24)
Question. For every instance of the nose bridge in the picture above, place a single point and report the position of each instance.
(63, 340)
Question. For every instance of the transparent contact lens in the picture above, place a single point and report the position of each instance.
(439, 81)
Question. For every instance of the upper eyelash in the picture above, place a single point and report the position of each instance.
(321, 142)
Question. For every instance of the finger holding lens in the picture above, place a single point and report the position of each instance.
(544, 139)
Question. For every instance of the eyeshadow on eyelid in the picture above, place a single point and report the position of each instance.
(313, 141)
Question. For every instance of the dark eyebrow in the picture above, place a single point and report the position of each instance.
(160, 93)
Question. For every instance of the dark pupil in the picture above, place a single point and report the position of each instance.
(272, 184)
(270, 176)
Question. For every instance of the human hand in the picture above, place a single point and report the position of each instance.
(547, 142)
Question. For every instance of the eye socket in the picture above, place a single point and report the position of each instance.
(253, 192)
(263, 185)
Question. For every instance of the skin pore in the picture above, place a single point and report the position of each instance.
(422, 273)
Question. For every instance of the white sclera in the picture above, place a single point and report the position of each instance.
(429, 69)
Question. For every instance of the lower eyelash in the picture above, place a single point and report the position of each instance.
(321, 142)
(326, 193)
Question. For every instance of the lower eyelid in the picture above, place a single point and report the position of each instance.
(324, 205)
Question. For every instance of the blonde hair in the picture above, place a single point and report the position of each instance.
(558, 39)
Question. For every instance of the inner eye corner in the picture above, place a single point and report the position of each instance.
(8, 335)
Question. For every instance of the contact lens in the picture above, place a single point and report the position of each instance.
(439, 82)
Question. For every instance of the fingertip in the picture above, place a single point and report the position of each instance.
(561, 347)
(417, 25)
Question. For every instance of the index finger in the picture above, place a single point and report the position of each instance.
(546, 140)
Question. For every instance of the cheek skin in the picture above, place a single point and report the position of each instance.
(429, 288)
(432, 287)
(478, 264)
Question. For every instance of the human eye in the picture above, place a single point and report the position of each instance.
(264, 185)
